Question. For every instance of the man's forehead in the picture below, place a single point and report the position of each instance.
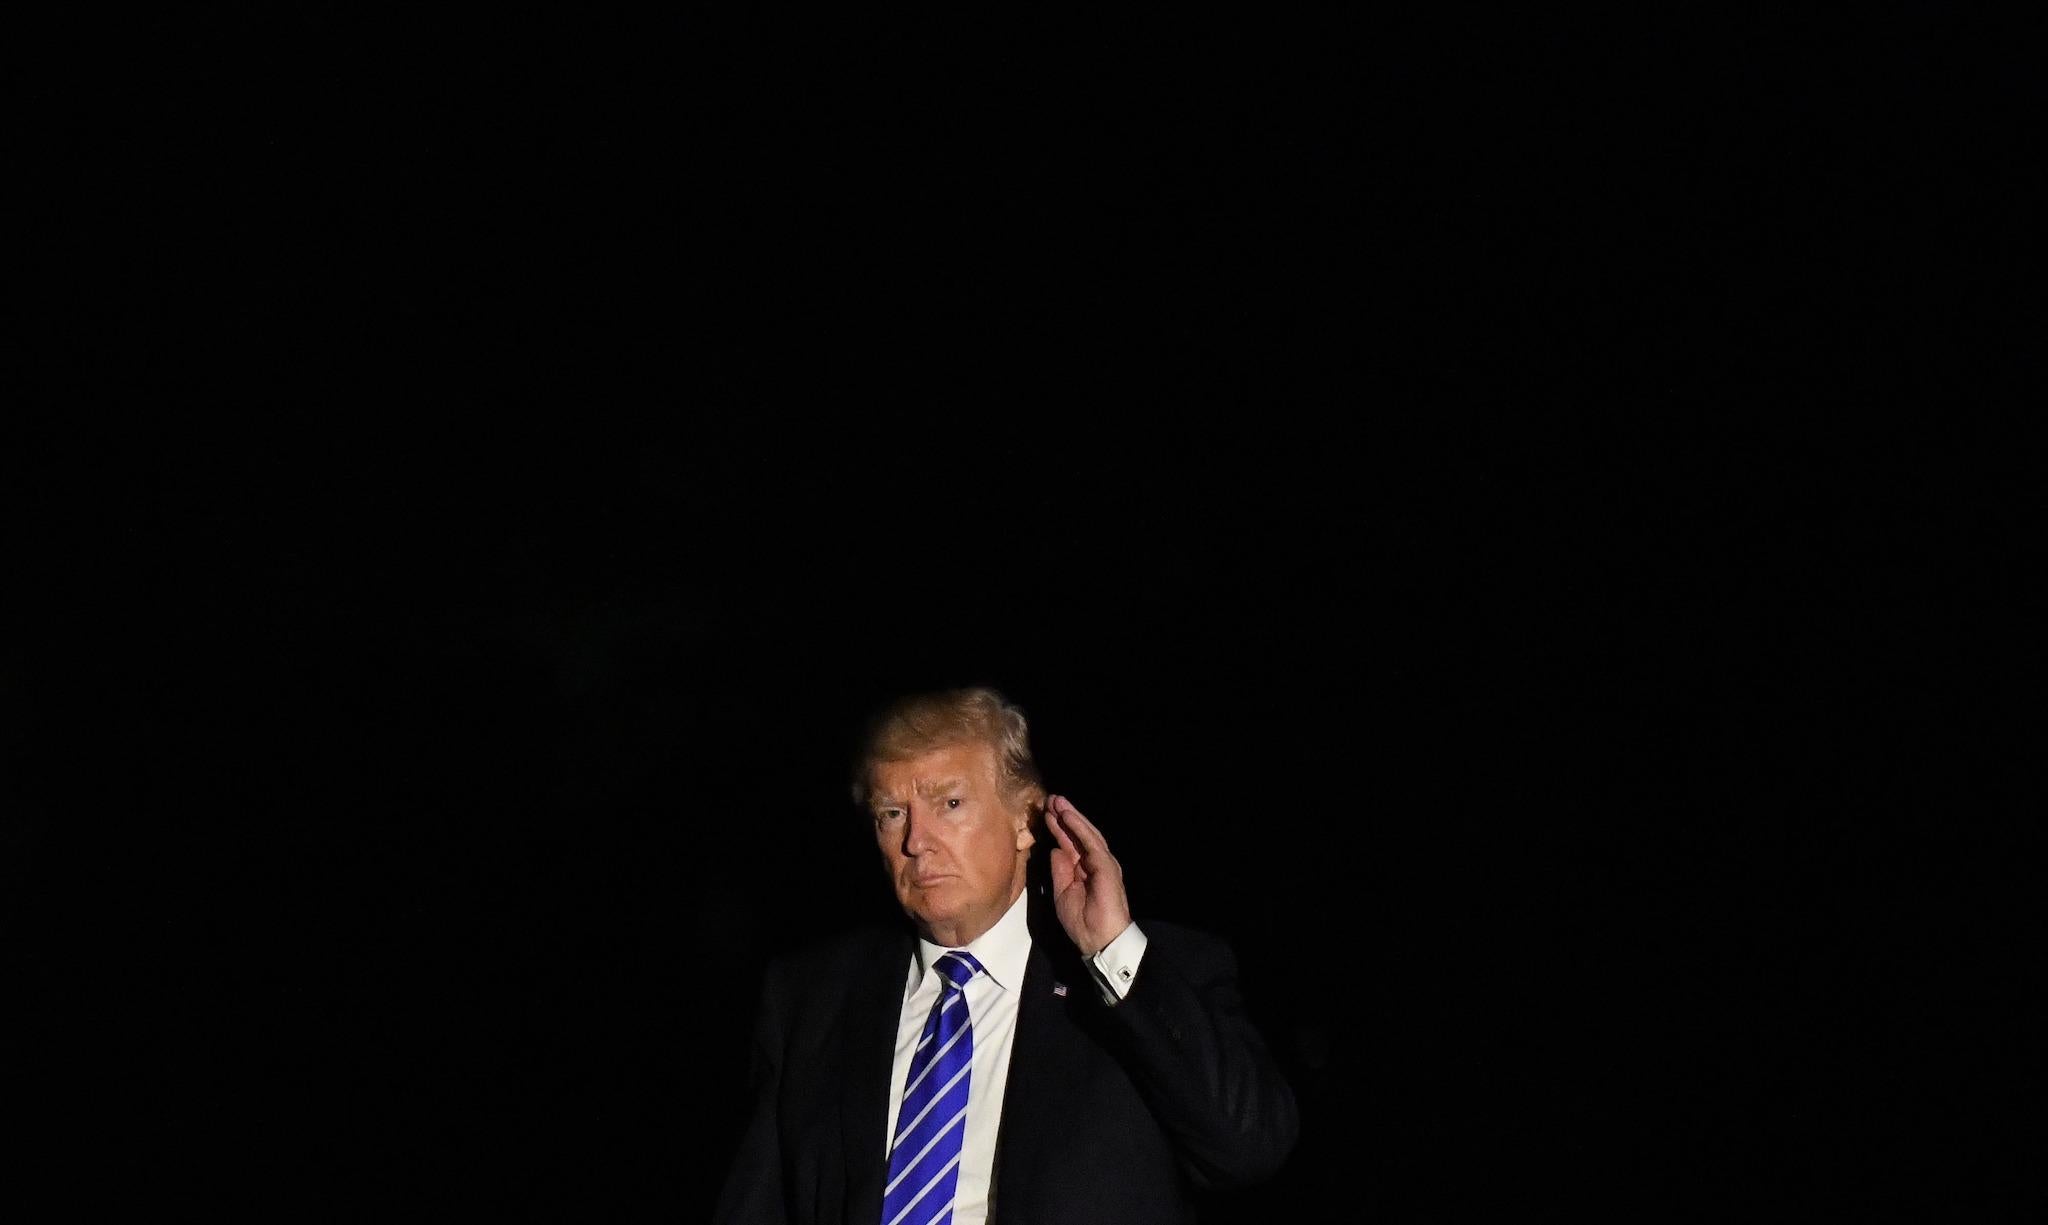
(948, 766)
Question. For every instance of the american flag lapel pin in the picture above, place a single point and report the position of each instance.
(1059, 989)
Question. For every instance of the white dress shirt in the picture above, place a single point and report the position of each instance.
(1003, 951)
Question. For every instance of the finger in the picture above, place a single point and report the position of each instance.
(1065, 866)
(1059, 833)
(1083, 830)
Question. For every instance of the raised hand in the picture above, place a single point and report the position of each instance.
(1087, 881)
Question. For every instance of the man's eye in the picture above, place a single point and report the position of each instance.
(952, 803)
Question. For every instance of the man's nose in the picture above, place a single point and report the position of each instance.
(917, 822)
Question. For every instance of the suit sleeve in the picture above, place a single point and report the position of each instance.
(753, 1187)
(1207, 1075)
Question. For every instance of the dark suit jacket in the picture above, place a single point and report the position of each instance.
(1119, 1114)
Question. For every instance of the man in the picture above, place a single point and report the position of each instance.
(1026, 1052)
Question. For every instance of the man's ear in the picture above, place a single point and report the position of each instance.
(1034, 817)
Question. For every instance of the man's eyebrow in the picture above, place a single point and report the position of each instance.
(882, 799)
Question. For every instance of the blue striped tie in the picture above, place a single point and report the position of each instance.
(924, 1157)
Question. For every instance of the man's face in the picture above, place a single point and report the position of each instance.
(953, 846)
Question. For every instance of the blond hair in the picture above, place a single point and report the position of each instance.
(919, 723)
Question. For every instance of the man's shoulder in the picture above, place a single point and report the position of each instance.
(1181, 934)
(1192, 946)
(838, 953)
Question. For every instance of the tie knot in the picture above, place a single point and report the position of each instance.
(958, 965)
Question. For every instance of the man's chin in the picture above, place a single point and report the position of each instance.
(935, 903)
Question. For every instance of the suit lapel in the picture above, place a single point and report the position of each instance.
(1045, 1061)
(868, 1042)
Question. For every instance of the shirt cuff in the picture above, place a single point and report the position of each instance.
(1115, 967)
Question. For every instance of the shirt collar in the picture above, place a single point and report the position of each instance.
(1002, 950)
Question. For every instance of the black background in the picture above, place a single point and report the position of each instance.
(1466, 501)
